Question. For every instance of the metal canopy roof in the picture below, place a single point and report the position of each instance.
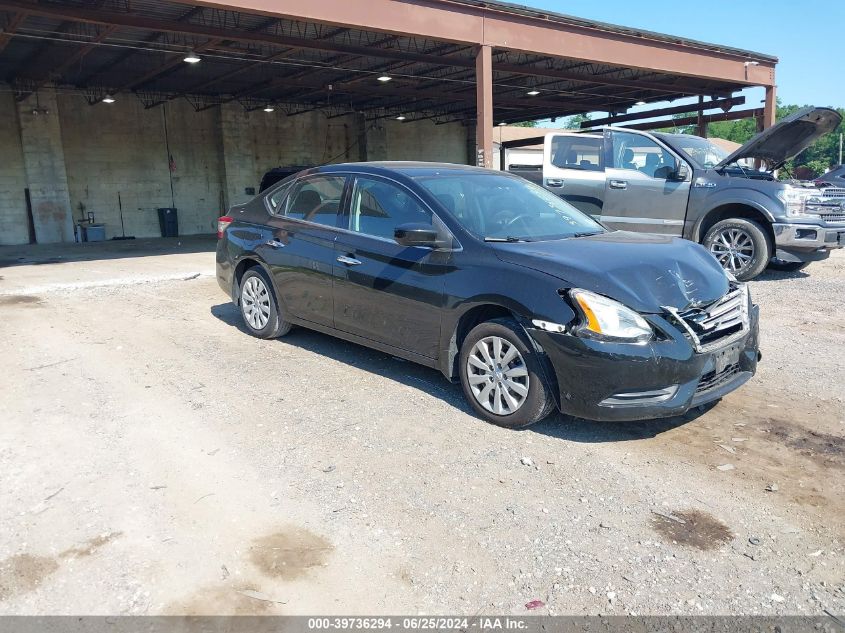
(113, 46)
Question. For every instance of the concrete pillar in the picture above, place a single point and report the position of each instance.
(361, 136)
(472, 144)
(44, 162)
(770, 109)
(376, 140)
(239, 166)
(484, 106)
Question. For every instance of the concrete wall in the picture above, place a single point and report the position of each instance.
(13, 220)
(423, 140)
(199, 162)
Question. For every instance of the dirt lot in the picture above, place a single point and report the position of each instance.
(156, 459)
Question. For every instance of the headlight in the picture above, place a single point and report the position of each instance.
(608, 320)
(794, 200)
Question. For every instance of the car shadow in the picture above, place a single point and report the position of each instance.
(434, 383)
(780, 275)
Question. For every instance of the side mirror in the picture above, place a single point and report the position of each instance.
(681, 172)
(414, 234)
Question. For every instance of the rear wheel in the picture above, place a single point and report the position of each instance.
(501, 375)
(741, 246)
(259, 308)
(789, 267)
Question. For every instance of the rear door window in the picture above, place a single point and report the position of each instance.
(316, 199)
(577, 152)
(276, 199)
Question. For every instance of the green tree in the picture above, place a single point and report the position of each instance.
(574, 122)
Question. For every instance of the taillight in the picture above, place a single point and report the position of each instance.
(222, 224)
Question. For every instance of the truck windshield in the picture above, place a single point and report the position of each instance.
(507, 208)
(699, 150)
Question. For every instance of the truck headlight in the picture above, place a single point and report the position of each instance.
(794, 200)
(608, 320)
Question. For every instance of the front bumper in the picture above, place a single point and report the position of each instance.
(807, 242)
(621, 382)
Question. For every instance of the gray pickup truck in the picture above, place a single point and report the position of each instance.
(685, 185)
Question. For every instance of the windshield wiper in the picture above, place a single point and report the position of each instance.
(509, 238)
(587, 233)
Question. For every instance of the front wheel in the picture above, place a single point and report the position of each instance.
(787, 267)
(741, 246)
(501, 375)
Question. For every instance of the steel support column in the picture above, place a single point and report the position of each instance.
(484, 106)
(771, 107)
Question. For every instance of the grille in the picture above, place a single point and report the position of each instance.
(713, 379)
(710, 326)
(833, 192)
(832, 217)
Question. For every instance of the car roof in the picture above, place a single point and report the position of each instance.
(411, 169)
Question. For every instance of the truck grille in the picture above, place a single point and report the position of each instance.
(833, 192)
(828, 203)
(713, 325)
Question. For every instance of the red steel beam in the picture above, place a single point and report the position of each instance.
(499, 28)
(484, 107)
(188, 28)
(9, 30)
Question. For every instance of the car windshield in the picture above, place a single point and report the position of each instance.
(507, 208)
(699, 150)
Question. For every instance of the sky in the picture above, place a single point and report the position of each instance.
(806, 36)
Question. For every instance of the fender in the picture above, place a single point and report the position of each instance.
(745, 197)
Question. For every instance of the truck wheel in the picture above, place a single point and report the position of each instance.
(741, 246)
(787, 267)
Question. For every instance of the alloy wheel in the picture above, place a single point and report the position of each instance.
(733, 248)
(255, 303)
(497, 375)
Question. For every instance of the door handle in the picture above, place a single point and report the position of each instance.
(618, 184)
(554, 182)
(275, 244)
(349, 261)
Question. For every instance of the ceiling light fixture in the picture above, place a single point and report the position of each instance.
(269, 108)
(385, 78)
(191, 58)
(502, 123)
(533, 92)
(640, 103)
(401, 117)
(108, 99)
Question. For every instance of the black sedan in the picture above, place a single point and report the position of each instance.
(496, 282)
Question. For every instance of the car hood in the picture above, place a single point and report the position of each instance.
(644, 272)
(787, 138)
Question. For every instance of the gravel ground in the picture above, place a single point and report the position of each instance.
(156, 459)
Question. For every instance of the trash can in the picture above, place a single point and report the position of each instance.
(168, 221)
(95, 233)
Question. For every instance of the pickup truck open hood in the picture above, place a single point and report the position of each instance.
(644, 272)
(787, 138)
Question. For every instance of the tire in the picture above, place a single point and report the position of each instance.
(259, 308)
(478, 375)
(787, 267)
(742, 247)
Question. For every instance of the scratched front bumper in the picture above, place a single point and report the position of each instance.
(589, 372)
